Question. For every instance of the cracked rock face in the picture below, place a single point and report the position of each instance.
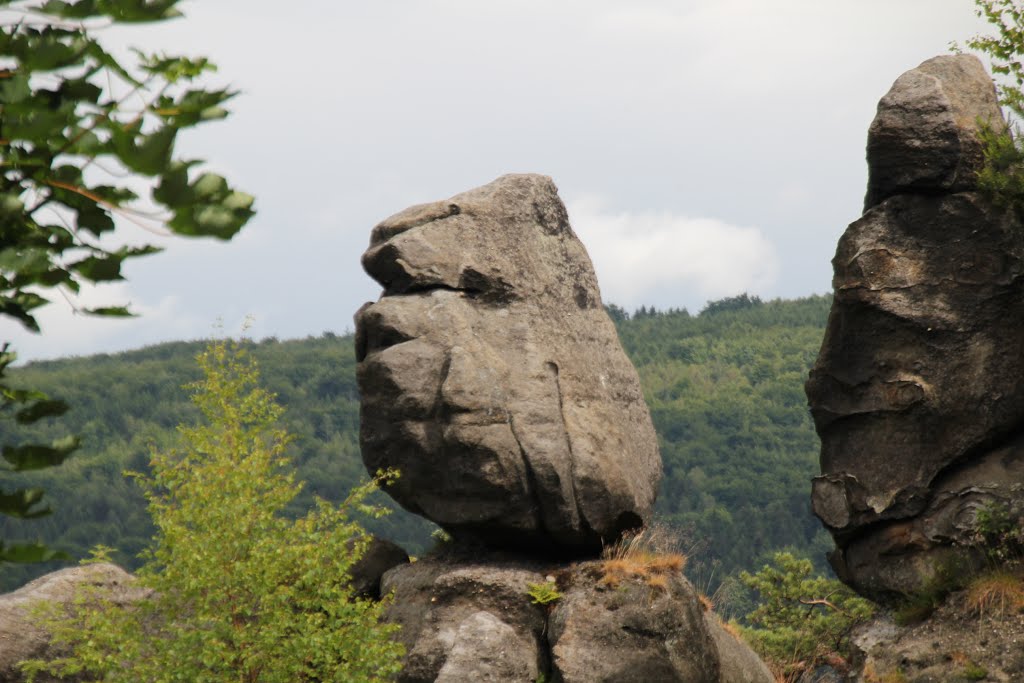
(493, 380)
(917, 393)
(474, 620)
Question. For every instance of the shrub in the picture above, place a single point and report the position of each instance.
(801, 620)
(241, 592)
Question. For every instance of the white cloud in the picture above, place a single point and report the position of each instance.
(665, 259)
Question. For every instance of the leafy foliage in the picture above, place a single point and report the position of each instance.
(1005, 48)
(543, 593)
(240, 591)
(1002, 176)
(78, 131)
(725, 389)
(1000, 532)
(801, 619)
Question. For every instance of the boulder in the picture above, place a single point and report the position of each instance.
(468, 621)
(493, 380)
(20, 636)
(916, 392)
(473, 619)
(924, 138)
(631, 631)
(955, 643)
(738, 663)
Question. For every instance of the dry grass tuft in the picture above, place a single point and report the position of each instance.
(650, 555)
(996, 592)
(658, 581)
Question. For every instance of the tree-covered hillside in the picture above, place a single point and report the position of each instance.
(725, 388)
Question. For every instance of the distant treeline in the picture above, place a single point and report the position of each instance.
(725, 388)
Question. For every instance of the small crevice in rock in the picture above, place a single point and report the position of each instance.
(552, 369)
(426, 287)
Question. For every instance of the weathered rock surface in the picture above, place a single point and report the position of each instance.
(473, 620)
(468, 621)
(632, 633)
(916, 393)
(924, 138)
(21, 638)
(738, 663)
(956, 644)
(493, 380)
(380, 556)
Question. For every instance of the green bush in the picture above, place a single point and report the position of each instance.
(241, 591)
(801, 619)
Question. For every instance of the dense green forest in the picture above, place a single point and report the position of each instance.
(725, 388)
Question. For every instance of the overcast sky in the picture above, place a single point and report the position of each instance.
(703, 147)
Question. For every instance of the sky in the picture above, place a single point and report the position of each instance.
(704, 148)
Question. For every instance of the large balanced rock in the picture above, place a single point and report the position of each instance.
(475, 620)
(917, 393)
(493, 379)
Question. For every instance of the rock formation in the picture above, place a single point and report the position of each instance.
(22, 638)
(958, 642)
(473, 620)
(917, 393)
(493, 379)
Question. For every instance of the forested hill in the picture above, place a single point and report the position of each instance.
(725, 388)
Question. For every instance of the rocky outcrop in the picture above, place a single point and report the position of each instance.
(22, 638)
(956, 643)
(468, 621)
(493, 380)
(924, 139)
(916, 393)
(474, 620)
(632, 632)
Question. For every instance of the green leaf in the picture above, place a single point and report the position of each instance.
(147, 154)
(39, 410)
(14, 88)
(18, 306)
(11, 205)
(173, 189)
(99, 268)
(207, 207)
(25, 553)
(141, 11)
(110, 311)
(23, 504)
(82, 9)
(36, 456)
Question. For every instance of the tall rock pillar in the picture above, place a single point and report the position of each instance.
(918, 391)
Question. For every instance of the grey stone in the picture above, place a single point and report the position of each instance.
(739, 664)
(924, 137)
(916, 393)
(487, 649)
(493, 380)
(632, 633)
(467, 621)
(21, 637)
